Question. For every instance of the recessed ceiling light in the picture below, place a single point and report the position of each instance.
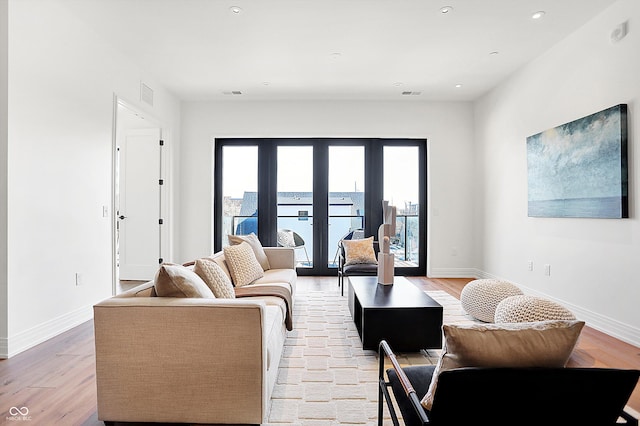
(336, 55)
(265, 83)
(539, 14)
(494, 53)
(235, 9)
(397, 83)
(446, 9)
(458, 86)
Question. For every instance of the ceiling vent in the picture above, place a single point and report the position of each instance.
(233, 92)
(146, 94)
(411, 93)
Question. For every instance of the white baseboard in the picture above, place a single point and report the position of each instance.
(602, 323)
(453, 273)
(35, 335)
(609, 326)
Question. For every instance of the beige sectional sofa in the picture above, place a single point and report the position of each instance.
(193, 360)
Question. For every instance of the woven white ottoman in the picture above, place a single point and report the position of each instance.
(529, 309)
(479, 298)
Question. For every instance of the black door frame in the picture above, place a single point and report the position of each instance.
(267, 192)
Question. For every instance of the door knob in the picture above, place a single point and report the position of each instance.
(122, 217)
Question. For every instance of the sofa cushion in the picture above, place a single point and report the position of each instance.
(279, 276)
(360, 269)
(215, 278)
(276, 301)
(359, 251)
(242, 264)
(255, 244)
(532, 344)
(178, 281)
(280, 291)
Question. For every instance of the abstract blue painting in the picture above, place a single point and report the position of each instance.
(579, 169)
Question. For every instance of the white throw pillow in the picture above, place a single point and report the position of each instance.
(215, 278)
(242, 264)
(255, 244)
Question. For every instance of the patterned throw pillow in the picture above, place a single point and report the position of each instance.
(255, 244)
(525, 344)
(177, 281)
(215, 278)
(359, 251)
(286, 239)
(242, 263)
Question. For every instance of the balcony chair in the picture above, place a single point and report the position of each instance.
(289, 238)
(507, 396)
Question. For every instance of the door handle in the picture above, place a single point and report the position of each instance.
(122, 217)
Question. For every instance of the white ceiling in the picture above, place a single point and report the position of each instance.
(333, 49)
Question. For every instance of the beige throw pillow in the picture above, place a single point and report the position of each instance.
(531, 344)
(242, 264)
(215, 278)
(359, 251)
(255, 244)
(177, 281)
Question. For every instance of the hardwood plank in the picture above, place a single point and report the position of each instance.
(56, 379)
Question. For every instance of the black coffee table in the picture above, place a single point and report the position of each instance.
(401, 314)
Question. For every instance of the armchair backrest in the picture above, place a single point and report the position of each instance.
(508, 396)
(533, 396)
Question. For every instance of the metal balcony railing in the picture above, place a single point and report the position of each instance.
(404, 245)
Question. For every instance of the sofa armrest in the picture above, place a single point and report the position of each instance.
(280, 257)
(175, 360)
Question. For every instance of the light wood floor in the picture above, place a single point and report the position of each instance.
(56, 379)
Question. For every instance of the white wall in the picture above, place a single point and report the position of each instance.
(592, 260)
(62, 79)
(4, 76)
(447, 127)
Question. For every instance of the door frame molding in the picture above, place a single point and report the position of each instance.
(165, 199)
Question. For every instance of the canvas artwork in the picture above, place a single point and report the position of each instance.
(579, 169)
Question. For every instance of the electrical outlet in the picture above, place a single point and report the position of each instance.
(547, 270)
(79, 280)
(105, 211)
(530, 265)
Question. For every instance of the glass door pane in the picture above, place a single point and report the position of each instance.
(401, 189)
(239, 191)
(295, 202)
(346, 196)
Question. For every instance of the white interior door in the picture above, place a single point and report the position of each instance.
(139, 204)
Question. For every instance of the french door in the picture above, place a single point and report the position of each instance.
(310, 193)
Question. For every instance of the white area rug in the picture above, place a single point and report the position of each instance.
(325, 377)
